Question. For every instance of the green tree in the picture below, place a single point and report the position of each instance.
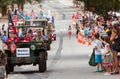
(3, 6)
(20, 3)
(4, 3)
(102, 6)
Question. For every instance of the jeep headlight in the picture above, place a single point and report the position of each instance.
(32, 47)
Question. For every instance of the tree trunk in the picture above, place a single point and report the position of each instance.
(4, 10)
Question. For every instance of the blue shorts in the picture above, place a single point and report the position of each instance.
(98, 58)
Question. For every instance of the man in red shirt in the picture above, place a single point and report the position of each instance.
(12, 40)
(13, 29)
(77, 15)
(29, 37)
(73, 16)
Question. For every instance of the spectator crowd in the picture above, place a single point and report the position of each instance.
(103, 33)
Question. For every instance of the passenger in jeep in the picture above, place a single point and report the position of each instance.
(10, 43)
(12, 38)
(29, 37)
(39, 36)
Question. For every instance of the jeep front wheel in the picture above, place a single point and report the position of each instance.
(49, 47)
(42, 62)
(9, 68)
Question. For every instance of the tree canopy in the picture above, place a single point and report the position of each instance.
(101, 6)
(4, 3)
(9, 2)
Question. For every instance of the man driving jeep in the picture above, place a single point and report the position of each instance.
(12, 38)
(39, 37)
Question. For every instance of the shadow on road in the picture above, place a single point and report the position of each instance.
(24, 72)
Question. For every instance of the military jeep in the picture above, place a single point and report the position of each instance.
(33, 52)
(45, 25)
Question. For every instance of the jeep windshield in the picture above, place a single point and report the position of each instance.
(29, 33)
(37, 22)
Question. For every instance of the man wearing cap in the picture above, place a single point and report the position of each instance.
(14, 29)
(11, 41)
(39, 36)
(12, 38)
(29, 37)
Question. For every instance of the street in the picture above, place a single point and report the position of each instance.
(67, 59)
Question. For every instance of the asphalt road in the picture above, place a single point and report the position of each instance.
(67, 59)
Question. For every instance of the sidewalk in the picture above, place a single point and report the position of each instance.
(66, 2)
(4, 19)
